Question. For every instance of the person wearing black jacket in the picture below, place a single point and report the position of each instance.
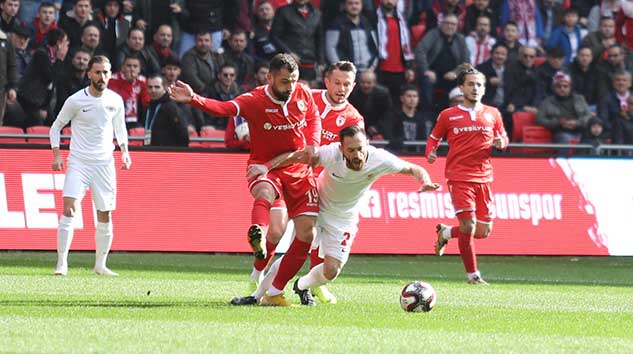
(584, 76)
(8, 73)
(521, 86)
(297, 30)
(494, 69)
(206, 16)
(163, 119)
(374, 103)
(73, 78)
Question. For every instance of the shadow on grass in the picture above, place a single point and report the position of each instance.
(114, 304)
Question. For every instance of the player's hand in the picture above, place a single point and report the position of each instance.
(127, 160)
(180, 92)
(312, 155)
(498, 142)
(431, 186)
(432, 156)
(255, 170)
(58, 163)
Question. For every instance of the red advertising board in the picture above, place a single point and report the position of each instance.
(198, 202)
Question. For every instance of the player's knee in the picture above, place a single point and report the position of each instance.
(265, 191)
(483, 231)
(467, 228)
(69, 211)
(331, 272)
(305, 229)
(103, 216)
(275, 232)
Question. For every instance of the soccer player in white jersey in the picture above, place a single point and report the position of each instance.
(351, 167)
(97, 114)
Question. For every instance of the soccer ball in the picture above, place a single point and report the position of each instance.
(241, 131)
(418, 296)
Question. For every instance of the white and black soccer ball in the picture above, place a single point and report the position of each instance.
(418, 296)
(241, 131)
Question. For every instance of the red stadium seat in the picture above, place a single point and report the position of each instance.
(534, 134)
(212, 133)
(136, 132)
(194, 134)
(66, 131)
(520, 120)
(12, 130)
(39, 130)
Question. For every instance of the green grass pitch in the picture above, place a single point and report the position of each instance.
(179, 303)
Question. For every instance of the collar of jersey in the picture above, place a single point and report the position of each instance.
(478, 107)
(334, 108)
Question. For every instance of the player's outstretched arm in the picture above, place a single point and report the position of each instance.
(421, 176)
(287, 158)
(183, 93)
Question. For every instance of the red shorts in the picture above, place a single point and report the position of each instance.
(296, 184)
(471, 197)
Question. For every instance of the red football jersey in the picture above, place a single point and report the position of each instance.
(132, 93)
(335, 118)
(275, 127)
(469, 133)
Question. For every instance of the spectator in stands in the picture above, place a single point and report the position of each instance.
(200, 65)
(603, 9)
(494, 69)
(8, 18)
(551, 15)
(45, 21)
(351, 37)
(297, 30)
(160, 49)
(565, 113)
(602, 39)
(30, 9)
(73, 21)
(624, 25)
(554, 62)
(260, 77)
(409, 122)
(568, 35)
(114, 25)
(224, 89)
(237, 124)
(90, 41)
(374, 103)
(132, 87)
(133, 47)
(150, 14)
(397, 59)
(595, 134)
(265, 48)
(20, 41)
(511, 40)
(480, 42)
(614, 103)
(8, 73)
(520, 86)
(623, 125)
(171, 72)
(210, 16)
(73, 78)
(455, 97)
(237, 56)
(163, 119)
(584, 77)
(481, 8)
(440, 8)
(438, 56)
(526, 15)
(617, 60)
(35, 89)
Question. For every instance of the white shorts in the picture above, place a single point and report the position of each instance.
(335, 241)
(101, 179)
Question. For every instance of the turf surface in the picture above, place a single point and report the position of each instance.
(180, 303)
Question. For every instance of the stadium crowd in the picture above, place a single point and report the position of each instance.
(558, 70)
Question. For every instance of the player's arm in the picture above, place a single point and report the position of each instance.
(421, 176)
(65, 115)
(500, 140)
(183, 93)
(120, 133)
(435, 138)
(313, 130)
(287, 158)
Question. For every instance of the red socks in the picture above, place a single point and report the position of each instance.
(260, 214)
(291, 263)
(261, 264)
(315, 260)
(466, 249)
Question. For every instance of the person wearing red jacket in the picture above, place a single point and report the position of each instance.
(471, 130)
(282, 117)
(132, 87)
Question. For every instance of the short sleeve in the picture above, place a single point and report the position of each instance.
(329, 154)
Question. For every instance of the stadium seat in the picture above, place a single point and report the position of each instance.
(12, 130)
(534, 134)
(417, 31)
(66, 131)
(194, 134)
(212, 133)
(136, 132)
(520, 120)
(38, 130)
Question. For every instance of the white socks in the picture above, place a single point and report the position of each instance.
(446, 233)
(103, 242)
(471, 276)
(257, 275)
(313, 279)
(267, 282)
(65, 232)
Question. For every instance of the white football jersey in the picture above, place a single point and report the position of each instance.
(341, 189)
(95, 122)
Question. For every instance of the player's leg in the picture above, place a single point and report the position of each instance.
(265, 192)
(276, 229)
(463, 198)
(257, 295)
(483, 227)
(103, 186)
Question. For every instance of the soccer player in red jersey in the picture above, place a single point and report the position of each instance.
(335, 113)
(471, 130)
(282, 117)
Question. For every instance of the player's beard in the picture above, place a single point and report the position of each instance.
(355, 164)
(98, 85)
(282, 96)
